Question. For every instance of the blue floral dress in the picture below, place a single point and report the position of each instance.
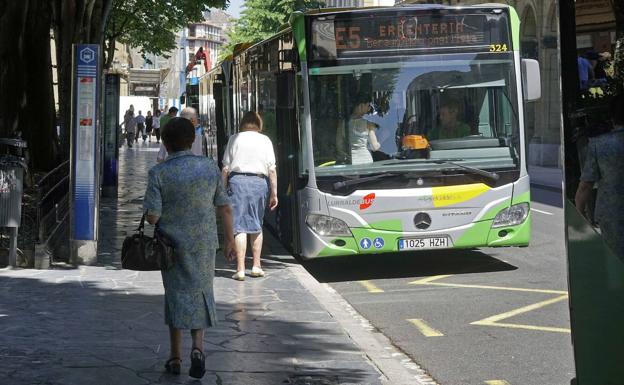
(184, 191)
(603, 165)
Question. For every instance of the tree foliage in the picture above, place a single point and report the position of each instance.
(263, 18)
(152, 25)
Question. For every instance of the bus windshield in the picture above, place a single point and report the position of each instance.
(382, 115)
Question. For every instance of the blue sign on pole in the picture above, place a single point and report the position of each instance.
(86, 88)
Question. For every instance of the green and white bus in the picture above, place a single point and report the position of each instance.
(394, 128)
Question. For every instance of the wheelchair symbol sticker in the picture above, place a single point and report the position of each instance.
(365, 243)
(378, 243)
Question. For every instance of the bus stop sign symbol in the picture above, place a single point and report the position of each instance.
(87, 55)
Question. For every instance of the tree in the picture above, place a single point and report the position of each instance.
(152, 25)
(74, 22)
(26, 91)
(263, 18)
(26, 94)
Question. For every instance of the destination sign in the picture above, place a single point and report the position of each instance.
(357, 35)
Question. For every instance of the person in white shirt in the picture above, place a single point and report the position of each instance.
(197, 148)
(248, 169)
(140, 119)
(156, 125)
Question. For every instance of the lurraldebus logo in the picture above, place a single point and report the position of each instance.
(367, 201)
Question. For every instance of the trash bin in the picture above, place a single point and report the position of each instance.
(11, 190)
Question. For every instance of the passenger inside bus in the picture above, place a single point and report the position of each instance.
(360, 132)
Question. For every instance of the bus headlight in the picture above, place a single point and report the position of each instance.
(327, 226)
(512, 216)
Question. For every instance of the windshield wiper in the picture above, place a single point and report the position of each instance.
(451, 162)
(488, 174)
(353, 182)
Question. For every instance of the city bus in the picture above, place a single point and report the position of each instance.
(395, 129)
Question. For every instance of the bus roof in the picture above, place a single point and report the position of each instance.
(284, 28)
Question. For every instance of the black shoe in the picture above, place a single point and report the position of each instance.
(172, 366)
(198, 364)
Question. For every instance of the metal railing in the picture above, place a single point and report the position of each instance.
(53, 205)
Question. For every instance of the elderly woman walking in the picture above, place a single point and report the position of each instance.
(181, 197)
(248, 161)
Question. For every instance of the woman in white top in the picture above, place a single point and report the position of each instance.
(248, 161)
(361, 132)
(156, 125)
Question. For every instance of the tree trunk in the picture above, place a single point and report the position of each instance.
(26, 96)
(40, 130)
(12, 76)
(74, 22)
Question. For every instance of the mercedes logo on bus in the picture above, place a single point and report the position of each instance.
(422, 221)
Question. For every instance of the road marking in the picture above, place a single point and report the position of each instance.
(541, 212)
(494, 320)
(370, 287)
(425, 329)
(430, 279)
(497, 382)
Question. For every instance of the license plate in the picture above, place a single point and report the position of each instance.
(425, 243)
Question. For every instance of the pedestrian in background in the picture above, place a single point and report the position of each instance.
(189, 219)
(140, 127)
(130, 124)
(197, 148)
(156, 125)
(248, 161)
(149, 121)
(172, 113)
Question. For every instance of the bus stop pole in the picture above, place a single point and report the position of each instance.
(84, 164)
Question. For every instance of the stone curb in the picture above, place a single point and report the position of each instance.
(396, 367)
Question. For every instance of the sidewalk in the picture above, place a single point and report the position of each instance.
(103, 325)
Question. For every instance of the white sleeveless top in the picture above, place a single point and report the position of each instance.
(358, 139)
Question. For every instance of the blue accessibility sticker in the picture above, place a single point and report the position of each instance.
(378, 243)
(365, 243)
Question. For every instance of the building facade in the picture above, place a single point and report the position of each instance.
(210, 34)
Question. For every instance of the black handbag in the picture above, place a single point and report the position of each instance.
(142, 253)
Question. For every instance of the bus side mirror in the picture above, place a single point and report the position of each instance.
(531, 80)
(182, 99)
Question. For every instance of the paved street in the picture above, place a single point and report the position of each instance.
(489, 316)
(103, 325)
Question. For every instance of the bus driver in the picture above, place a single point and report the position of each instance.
(449, 126)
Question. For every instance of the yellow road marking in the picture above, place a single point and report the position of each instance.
(425, 329)
(371, 287)
(494, 320)
(428, 281)
(497, 382)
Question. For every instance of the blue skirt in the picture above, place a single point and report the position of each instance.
(248, 195)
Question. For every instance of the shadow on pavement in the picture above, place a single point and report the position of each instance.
(111, 331)
(404, 265)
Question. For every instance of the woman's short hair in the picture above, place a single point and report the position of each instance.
(251, 122)
(178, 134)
